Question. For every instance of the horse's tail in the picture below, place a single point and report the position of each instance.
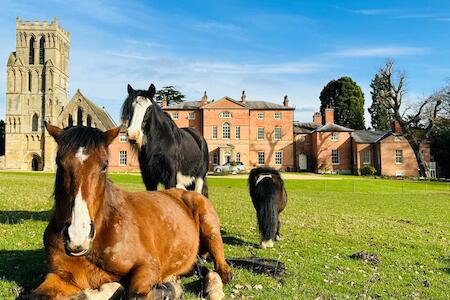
(266, 204)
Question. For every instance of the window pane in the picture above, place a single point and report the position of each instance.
(261, 158)
(122, 158)
(214, 132)
(260, 133)
(226, 131)
(277, 133)
(278, 158)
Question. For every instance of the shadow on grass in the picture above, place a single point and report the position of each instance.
(235, 241)
(26, 268)
(194, 287)
(18, 216)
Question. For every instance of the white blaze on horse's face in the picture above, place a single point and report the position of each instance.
(140, 105)
(81, 154)
(80, 229)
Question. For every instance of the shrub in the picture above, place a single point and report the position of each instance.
(368, 171)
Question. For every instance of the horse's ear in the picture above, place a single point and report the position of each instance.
(130, 89)
(110, 135)
(54, 131)
(151, 91)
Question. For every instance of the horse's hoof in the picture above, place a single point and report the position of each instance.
(213, 287)
(266, 244)
(278, 238)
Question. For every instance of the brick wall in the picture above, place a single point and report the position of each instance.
(132, 163)
(389, 167)
(323, 146)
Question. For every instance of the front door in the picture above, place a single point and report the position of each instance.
(302, 162)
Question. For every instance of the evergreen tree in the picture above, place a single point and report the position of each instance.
(347, 99)
(381, 118)
(170, 94)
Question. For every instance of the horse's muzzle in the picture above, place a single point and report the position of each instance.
(77, 250)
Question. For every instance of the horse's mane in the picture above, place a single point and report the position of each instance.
(254, 174)
(72, 138)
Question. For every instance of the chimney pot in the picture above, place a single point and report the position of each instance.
(243, 97)
(286, 101)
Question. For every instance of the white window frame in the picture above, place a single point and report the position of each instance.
(238, 157)
(260, 116)
(334, 136)
(258, 131)
(277, 115)
(367, 157)
(261, 154)
(278, 157)
(214, 132)
(398, 156)
(225, 115)
(123, 137)
(275, 134)
(335, 154)
(191, 115)
(237, 132)
(175, 116)
(228, 131)
(123, 158)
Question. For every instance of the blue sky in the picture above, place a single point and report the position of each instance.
(267, 48)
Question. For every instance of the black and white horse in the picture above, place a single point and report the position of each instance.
(175, 157)
(269, 198)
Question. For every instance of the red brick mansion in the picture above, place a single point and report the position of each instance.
(259, 133)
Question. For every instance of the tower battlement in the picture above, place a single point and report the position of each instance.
(41, 26)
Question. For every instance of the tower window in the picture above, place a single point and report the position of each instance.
(80, 117)
(89, 121)
(30, 81)
(42, 50)
(70, 121)
(34, 123)
(31, 55)
(43, 82)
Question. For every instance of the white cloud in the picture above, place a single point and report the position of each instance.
(381, 51)
(373, 11)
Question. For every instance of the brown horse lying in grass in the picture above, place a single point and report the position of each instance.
(99, 234)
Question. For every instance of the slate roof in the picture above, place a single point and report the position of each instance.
(369, 136)
(330, 127)
(305, 127)
(247, 104)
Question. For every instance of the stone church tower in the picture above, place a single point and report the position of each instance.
(37, 90)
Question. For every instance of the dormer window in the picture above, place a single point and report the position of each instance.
(225, 115)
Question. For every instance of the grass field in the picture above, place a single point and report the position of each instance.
(406, 224)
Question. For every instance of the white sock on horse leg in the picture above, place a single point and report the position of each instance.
(199, 185)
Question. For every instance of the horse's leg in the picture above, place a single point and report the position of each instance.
(211, 239)
(199, 185)
(278, 237)
(151, 185)
(109, 291)
(54, 287)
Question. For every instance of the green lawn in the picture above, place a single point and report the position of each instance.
(407, 224)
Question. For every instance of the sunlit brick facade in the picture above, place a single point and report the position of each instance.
(253, 132)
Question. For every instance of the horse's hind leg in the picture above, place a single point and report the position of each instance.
(211, 240)
(54, 287)
(278, 237)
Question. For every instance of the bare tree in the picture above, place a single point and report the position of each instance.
(417, 121)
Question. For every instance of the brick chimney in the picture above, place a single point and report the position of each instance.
(317, 118)
(204, 100)
(396, 128)
(243, 97)
(286, 101)
(329, 115)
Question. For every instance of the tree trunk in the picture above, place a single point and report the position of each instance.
(421, 163)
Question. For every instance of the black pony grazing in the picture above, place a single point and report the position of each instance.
(269, 198)
(175, 157)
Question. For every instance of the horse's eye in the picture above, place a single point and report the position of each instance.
(105, 167)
